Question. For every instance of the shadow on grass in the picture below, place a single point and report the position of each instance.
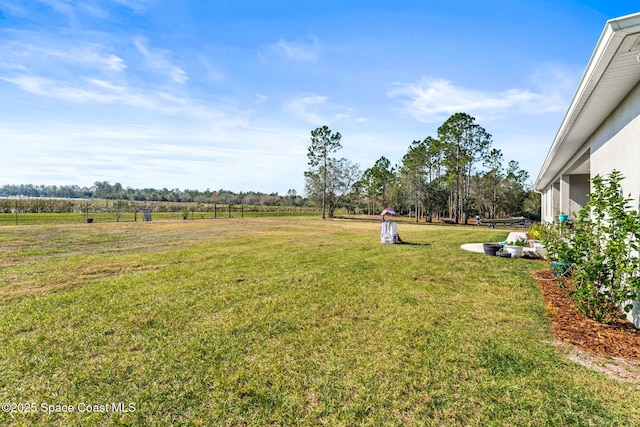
(413, 243)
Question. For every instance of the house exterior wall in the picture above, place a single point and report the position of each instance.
(578, 193)
(550, 199)
(616, 145)
(568, 194)
(550, 202)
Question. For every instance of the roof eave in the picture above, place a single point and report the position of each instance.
(612, 36)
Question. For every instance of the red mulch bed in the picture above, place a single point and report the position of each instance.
(618, 339)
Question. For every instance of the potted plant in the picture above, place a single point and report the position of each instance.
(562, 217)
(515, 248)
(560, 269)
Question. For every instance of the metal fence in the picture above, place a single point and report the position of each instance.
(175, 212)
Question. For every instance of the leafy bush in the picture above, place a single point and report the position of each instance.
(602, 244)
(556, 238)
(537, 231)
(606, 242)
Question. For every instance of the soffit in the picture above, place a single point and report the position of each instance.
(620, 77)
(614, 70)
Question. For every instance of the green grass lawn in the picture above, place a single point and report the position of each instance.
(282, 321)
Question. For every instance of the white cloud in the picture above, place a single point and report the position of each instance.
(300, 107)
(12, 8)
(92, 9)
(556, 82)
(317, 109)
(90, 73)
(296, 51)
(35, 52)
(157, 59)
(93, 90)
(432, 100)
(166, 155)
(135, 5)
(114, 63)
(73, 8)
(213, 72)
(90, 55)
(261, 99)
(62, 7)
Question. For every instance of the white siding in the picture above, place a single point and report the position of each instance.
(616, 145)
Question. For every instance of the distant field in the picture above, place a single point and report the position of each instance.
(60, 218)
(281, 321)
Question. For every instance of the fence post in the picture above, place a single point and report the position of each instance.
(215, 211)
(229, 210)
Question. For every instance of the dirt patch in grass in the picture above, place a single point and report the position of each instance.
(612, 349)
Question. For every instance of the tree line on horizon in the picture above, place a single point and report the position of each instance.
(106, 190)
(456, 175)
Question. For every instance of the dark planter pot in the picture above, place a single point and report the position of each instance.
(491, 248)
(89, 220)
(503, 254)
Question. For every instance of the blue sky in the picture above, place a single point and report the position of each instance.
(196, 94)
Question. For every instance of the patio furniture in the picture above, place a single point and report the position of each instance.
(504, 221)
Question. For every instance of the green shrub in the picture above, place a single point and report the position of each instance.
(556, 238)
(605, 242)
(602, 244)
(537, 231)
